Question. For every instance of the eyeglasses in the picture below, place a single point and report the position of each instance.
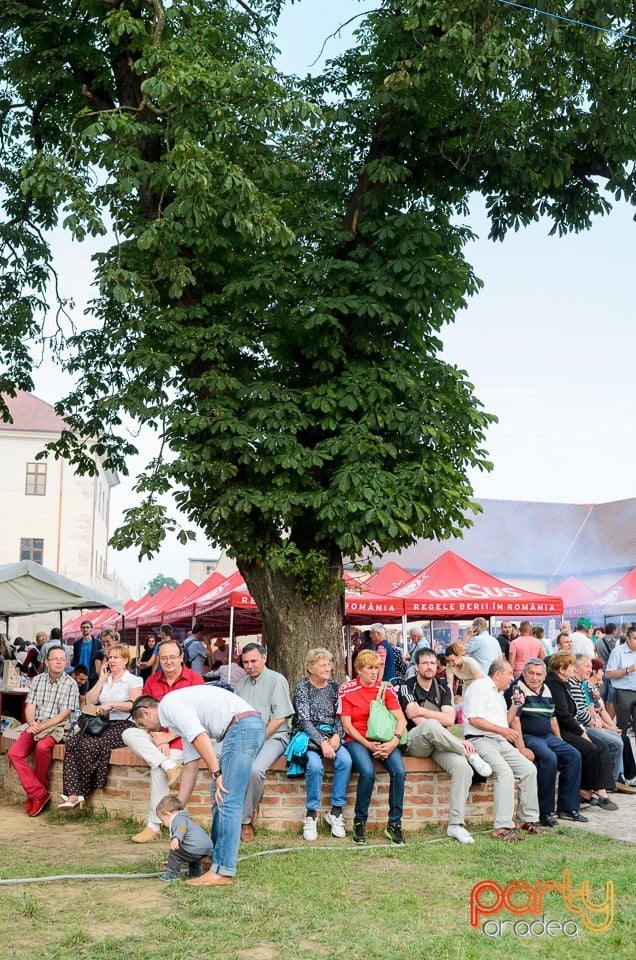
(166, 659)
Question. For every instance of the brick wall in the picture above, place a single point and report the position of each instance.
(127, 793)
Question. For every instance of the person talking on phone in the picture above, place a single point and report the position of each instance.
(535, 718)
(86, 757)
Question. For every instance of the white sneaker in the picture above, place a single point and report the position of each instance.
(479, 766)
(337, 824)
(310, 828)
(459, 833)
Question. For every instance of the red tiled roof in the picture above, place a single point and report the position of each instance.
(31, 413)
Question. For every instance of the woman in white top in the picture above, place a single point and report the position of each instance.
(460, 667)
(87, 758)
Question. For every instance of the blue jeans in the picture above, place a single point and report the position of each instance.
(552, 754)
(363, 765)
(614, 745)
(314, 773)
(240, 745)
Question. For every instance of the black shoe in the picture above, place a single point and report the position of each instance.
(394, 833)
(359, 831)
(572, 815)
(548, 820)
(604, 803)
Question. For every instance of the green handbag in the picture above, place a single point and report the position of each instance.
(382, 723)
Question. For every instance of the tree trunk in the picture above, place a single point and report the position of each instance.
(292, 625)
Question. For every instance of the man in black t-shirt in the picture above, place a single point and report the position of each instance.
(505, 637)
(427, 703)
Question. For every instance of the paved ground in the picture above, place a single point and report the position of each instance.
(619, 824)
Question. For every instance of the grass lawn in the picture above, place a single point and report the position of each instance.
(346, 903)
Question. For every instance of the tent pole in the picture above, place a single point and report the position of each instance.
(231, 638)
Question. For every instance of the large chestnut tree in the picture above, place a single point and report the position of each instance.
(279, 255)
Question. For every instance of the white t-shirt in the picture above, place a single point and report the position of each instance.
(201, 709)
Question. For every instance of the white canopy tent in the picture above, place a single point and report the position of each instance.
(27, 587)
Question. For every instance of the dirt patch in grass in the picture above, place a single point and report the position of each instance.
(40, 839)
(260, 951)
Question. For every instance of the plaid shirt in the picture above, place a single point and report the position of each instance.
(51, 698)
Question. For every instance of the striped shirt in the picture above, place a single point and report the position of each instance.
(583, 715)
(537, 711)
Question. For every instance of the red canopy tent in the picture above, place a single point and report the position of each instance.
(183, 611)
(149, 602)
(154, 615)
(367, 607)
(451, 588)
(227, 597)
(388, 578)
(577, 596)
(617, 599)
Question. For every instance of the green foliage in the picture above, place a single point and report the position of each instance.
(288, 251)
(160, 581)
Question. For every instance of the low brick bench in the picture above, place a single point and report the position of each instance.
(127, 793)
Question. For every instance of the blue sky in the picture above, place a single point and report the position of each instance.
(548, 343)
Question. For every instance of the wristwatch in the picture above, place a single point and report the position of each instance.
(216, 774)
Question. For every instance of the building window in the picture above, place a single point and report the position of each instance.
(32, 550)
(35, 479)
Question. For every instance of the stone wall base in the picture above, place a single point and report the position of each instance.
(127, 792)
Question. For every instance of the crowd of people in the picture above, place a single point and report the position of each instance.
(554, 719)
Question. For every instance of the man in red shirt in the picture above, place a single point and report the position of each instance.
(161, 750)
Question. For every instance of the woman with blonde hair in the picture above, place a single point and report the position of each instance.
(315, 703)
(87, 757)
(354, 706)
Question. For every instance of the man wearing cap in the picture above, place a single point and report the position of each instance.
(581, 638)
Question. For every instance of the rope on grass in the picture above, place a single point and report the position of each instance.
(82, 876)
(248, 856)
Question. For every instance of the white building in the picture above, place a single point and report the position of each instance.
(49, 514)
